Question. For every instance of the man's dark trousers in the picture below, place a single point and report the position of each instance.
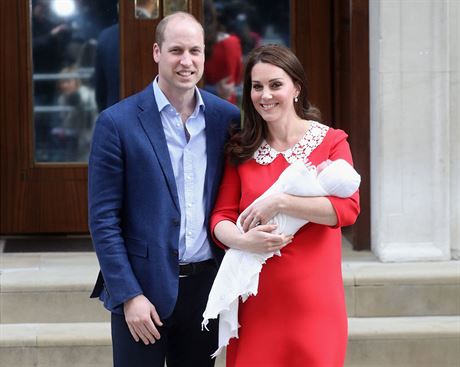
(182, 341)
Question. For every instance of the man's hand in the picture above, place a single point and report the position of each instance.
(142, 319)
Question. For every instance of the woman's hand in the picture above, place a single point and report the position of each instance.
(261, 240)
(261, 212)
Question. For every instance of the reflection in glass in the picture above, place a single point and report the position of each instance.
(170, 6)
(232, 29)
(146, 9)
(64, 45)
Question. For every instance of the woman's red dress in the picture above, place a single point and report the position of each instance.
(298, 317)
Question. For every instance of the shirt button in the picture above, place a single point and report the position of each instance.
(189, 205)
(189, 233)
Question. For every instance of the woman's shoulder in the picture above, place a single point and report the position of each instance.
(332, 133)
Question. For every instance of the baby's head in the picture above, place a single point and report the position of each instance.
(339, 178)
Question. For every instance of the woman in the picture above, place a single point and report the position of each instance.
(223, 66)
(298, 317)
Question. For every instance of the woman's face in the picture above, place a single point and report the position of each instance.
(272, 92)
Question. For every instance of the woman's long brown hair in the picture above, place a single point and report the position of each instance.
(245, 140)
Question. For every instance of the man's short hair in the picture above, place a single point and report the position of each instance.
(161, 27)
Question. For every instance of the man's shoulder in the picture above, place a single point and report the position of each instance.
(135, 100)
(213, 101)
(130, 106)
(109, 33)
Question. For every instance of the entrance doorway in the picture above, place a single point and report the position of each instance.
(47, 114)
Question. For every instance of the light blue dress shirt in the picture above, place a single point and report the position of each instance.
(189, 165)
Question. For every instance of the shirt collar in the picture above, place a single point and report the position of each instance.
(163, 102)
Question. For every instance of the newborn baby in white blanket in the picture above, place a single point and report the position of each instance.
(238, 275)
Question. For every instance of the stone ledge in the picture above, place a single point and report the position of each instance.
(62, 334)
(98, 333)
(377, 273)
(420, 327)
(78, 271)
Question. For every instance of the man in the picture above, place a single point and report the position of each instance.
(107, 68)
(154, 171)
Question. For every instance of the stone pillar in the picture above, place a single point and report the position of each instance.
(414, 110)
(454, 22)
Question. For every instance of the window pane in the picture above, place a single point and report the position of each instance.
(64, 43)
(233, 28)
(170, 6)
(146, 9)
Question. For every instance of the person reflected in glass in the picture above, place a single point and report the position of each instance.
(223, 66)
(73, 135)
(298, 317)
(244, 21)
(49, 41)
(146, 9)
(107, 67)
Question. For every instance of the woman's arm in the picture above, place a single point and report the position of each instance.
(313, 209)
(259, 239)
(329, 210)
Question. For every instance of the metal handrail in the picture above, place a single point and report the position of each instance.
(82, 73)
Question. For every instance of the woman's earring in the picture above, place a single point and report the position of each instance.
(296, 99)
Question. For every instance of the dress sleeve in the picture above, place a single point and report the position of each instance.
(228, 199)
(346, 209)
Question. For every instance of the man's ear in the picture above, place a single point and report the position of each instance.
(156, 52)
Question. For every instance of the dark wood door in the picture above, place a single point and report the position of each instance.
(51, 197)
(35, 197)
(329, 37)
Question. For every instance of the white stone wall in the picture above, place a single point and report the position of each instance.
(454, 22)
(414, 113)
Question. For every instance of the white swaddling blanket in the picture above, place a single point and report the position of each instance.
(238, 275)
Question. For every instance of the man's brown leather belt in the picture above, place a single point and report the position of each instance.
(186, 270)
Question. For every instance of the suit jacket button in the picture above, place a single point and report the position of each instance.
(175, 252)
(176, 222)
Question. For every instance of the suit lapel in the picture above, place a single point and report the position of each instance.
(150, 119)
(211, 144)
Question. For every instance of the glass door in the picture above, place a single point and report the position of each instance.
(49, 81)
(64, 41)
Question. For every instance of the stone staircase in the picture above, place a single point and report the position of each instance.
(399, 314)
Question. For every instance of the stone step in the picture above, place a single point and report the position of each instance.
(373, 342)
(375, 289)
(49, 287)
(55, 287)
(423, 341)
(55, 344)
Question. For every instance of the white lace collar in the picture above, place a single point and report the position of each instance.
(314, 136)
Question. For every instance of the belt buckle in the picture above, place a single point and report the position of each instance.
(186, 275)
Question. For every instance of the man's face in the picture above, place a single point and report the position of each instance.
(181, 57)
